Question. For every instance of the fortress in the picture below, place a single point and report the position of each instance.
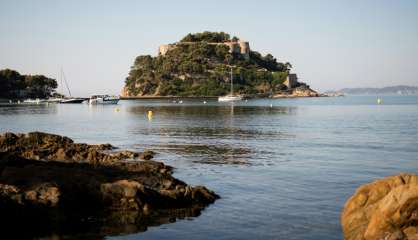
(240, 47)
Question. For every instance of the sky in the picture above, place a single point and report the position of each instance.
(331, 44)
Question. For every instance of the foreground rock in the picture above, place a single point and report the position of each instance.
(50, 180)
(384, 209)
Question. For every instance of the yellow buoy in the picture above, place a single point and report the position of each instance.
(117, 109)
(379, 101)
(149, 115)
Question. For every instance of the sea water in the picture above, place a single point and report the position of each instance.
(283, 168)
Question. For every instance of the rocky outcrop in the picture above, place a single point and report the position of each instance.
(43, 146)
(304, 92)
(384, 209)
(301, 91)
(51, 179)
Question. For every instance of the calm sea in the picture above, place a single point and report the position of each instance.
(284, 167)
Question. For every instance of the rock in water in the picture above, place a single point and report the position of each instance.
(384, 209)
(51, 176)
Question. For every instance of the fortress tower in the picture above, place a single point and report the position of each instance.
(163, 49)
(244, 48)
(291, 80)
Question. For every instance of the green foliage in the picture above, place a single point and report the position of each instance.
(207, 37)
(278, 79)
(14, 85)
(203, 69)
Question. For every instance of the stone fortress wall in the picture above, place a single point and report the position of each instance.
(291, 80)
(241, 47)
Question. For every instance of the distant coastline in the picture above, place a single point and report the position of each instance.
(390, 90)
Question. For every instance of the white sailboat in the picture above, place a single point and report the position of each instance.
(230, 97)
(70, 99)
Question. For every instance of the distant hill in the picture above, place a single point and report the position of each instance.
(392, 90)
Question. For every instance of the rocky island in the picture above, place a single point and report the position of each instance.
(49, 184)
(199, 65)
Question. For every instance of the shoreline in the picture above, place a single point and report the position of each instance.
(166, 97)
(216, 97)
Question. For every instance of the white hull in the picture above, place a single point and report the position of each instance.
(54, 100)
(229, 98)
(104, 100)
(34, 101)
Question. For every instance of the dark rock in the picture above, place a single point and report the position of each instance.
(147, 155)
(62, 181)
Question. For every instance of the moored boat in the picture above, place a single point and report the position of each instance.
(103, 99)
(69, 99)
(230, 97)
(34, 101)
(72, 100)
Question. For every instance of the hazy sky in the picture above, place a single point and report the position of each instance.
(331, 44)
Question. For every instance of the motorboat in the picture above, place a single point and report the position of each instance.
(103, 99)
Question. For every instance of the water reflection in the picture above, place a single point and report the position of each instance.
(211, 111)
(210, 154)
(213, 134)
(276, 168)
(12, 109)
(91, 227)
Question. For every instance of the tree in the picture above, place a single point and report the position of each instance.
(39, 86)
(221, 51)
(14, 85)
(288, 66)
(207, 37)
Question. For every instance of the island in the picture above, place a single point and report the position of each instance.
(201, 65)
(13, 85)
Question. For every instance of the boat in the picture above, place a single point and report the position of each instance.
(54, 100)
(230, 97)
(34, 101)
(103, 99)
(70, 99)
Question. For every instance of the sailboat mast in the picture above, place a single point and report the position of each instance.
(232, 84)
(65, 80)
